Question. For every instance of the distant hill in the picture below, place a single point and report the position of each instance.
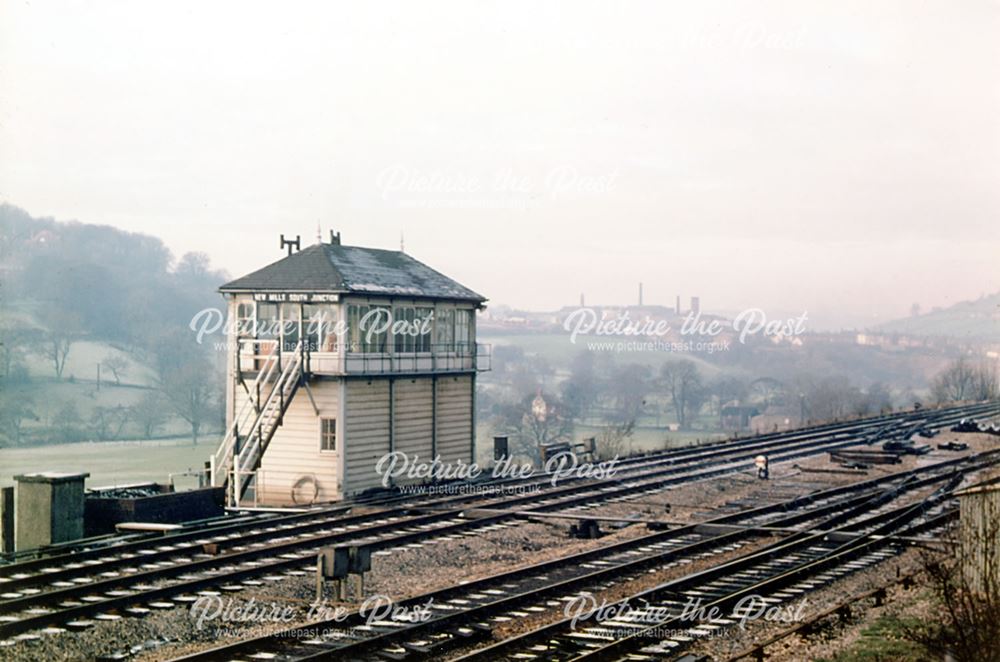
(973, 320)
(94, 336)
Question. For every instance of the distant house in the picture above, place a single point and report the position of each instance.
(737, 417)
(775, 419)
(341, 355)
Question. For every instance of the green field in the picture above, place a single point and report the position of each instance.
(110, 462)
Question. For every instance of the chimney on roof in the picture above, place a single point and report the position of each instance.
(334, 238)
(289, 243)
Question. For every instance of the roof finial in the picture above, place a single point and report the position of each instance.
(402, 246)
(319, 233)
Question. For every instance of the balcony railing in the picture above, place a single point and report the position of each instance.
(459, 357)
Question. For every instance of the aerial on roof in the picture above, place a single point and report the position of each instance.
(352, 269)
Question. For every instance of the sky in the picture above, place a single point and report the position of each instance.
(840, 158)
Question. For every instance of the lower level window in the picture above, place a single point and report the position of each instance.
(328, 434)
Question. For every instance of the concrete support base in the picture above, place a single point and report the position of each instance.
(49, 509)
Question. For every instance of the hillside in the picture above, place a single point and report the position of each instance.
(94, 338)
(973, 320)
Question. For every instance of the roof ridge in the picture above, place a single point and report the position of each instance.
(353, 269)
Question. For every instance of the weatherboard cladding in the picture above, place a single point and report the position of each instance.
(352, 269)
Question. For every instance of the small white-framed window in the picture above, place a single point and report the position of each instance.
(245, 319)
(328, 434)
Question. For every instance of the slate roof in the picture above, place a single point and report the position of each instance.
(355, 270)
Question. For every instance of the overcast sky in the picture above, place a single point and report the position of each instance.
(836, 157)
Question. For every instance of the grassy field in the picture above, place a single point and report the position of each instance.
(82, 361)
(47, 396)
(109, 462)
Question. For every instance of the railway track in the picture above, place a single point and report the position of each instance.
(138, 576)
(460, 614)
(223, 532)
(675, 461)
(658, 623)
(869, 428)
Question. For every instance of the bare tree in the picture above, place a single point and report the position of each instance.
(57, 338)
(13, 341)
(193, 265)
(107, 422)
(582, 388)
(66, 422)
(530, 426)
(879, 397)
(15, 410)
(833, 398)
(188, 380)
(985, 386)
(725, 389)
(190, 394)
(613, 439)
(118, 365)
(630, 384)
(683, 382)
(56, 345)
(150, 413)
(964, 381)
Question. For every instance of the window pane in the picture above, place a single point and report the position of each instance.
(411, 339)
(355, 313)
(320, 324)
(375, 335)
(267, 321)
(244, 320)
(311, 326)
(328, 434)
(445, 329)
(329, 328)
(425, 320)
(289, 326)
(461, 330)
(399, 338)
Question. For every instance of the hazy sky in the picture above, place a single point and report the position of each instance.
(838, 157)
